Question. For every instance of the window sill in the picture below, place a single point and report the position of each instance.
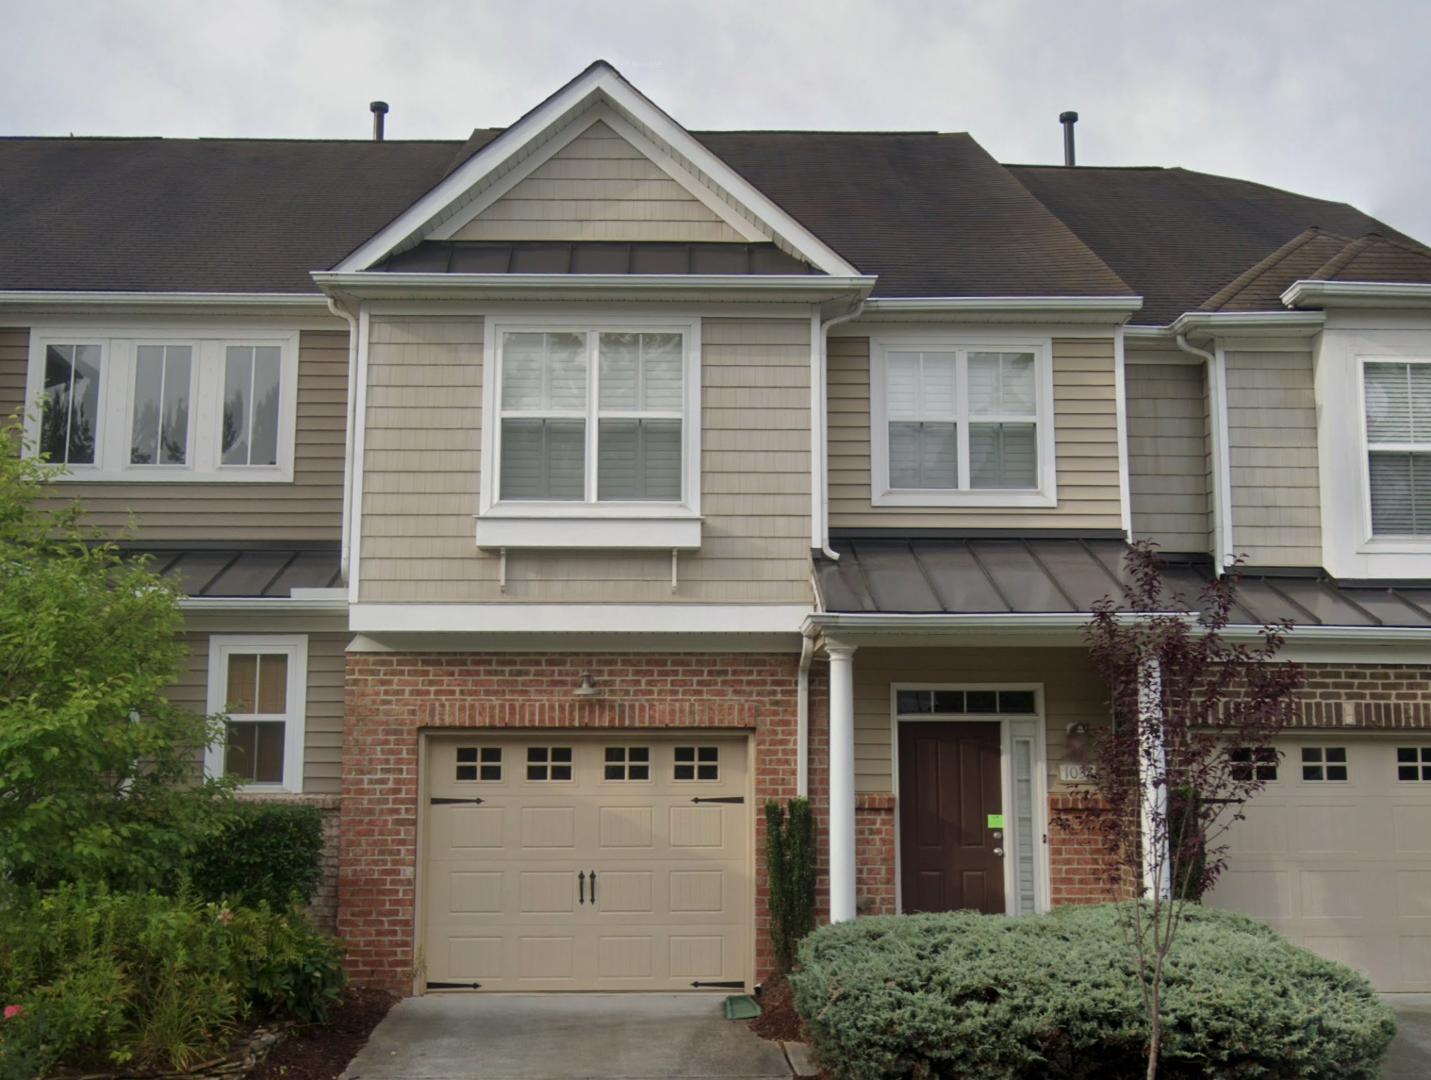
(543, 528)
(966, 499)
(258, 474)
(1395, 545)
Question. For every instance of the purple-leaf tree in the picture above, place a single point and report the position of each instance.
(1194, 709)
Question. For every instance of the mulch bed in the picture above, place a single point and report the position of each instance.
(323, 1052)
(778, 1019)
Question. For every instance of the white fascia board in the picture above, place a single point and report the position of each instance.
(1249, 323)
(576, 618)
(1101, 309)
(53, 302)
(506, 528)
(1374, 294)
(333, 600)
(787, 642)
(807, 288)
(600, 82)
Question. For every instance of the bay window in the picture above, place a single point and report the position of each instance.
(1397, 397)
(593, 422)
(955, 424)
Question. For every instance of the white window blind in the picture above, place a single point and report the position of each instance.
(592, 415)
(961, 420)
(1398, 429)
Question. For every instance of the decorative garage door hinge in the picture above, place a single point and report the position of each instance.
(734, 984)
(438, 799)
(453, 986)
(719, 798)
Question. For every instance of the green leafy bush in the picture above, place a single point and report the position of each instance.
(147, 981)
(790, 871)
(260, 853)
(1055, 996)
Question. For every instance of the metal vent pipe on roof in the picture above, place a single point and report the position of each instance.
(379, 110)
(1068, 119)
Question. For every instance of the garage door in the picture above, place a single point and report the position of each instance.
(1335, 853)
(568, 861)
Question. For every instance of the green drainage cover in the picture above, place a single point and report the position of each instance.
(741, 1007)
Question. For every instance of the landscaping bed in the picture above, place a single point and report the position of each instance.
(322, 1051)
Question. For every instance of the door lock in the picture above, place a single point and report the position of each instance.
(999, 852)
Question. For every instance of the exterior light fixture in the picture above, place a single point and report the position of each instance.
(587, 687)
(1078, 741)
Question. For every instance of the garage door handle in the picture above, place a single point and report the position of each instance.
(593, 886)
(438, 800)
(719, 798)
(581, 887)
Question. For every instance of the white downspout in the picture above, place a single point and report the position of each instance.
(819, 474)
(802, 716)
(1120, 394)
(341, 310)
(1221, 479)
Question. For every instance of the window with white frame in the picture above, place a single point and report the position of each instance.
(594, 417)
(1398, 433)
(955, 424)
(167, 403)
(259, 684)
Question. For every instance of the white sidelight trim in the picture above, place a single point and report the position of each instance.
(1152, 769)
(842, 781)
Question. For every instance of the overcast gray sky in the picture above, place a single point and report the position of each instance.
(1326, 98)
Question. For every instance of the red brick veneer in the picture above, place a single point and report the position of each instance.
(392, 698)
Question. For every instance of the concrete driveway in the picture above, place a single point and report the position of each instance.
(541, 1036)
(1410, 1055)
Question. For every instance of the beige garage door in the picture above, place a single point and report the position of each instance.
(576, 861)
(1336, 854)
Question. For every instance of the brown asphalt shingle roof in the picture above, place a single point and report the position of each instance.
(1179, 237)
(930, 214)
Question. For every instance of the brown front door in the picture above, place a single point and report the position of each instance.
(950, 856)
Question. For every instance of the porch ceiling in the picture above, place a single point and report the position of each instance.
(1059, 576)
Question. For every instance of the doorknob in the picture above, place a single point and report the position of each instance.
(999, 852)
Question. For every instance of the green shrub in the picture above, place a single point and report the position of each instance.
(1055, 996)
(149, 981)
(790, 871)
(261, 853)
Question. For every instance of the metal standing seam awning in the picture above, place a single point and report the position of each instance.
(1058, 576)
(248, 571)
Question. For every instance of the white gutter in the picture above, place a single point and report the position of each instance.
(340, 309)
(1117, 305)
(386, 284)
(232, 604)
(1221, 450)
(1394, 294)
(819, 441)
(1280, 323)
(60, 298)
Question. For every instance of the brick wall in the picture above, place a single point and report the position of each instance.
(392, 698)
(875, 823)
(1365, 696)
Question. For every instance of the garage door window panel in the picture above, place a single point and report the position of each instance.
(549, 763)
(1253, 761)
(1324, 763)
(479, 763)
(627, 763)
(697, 763)
(1413, 763)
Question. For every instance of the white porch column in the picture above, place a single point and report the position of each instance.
(842, 781)
(1152, 769)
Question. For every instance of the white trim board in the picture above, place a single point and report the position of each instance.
(518, 618)
(599, 84)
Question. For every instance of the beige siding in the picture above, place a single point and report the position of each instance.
(1085, 436)
(598, 187)
(422, 472)
(1167, 454)
(323, 717)
(1272, 446)
(1072, 694)
(14, 357)
(309, 508)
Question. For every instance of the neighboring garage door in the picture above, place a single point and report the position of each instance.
(576, 861)
(1336, 854)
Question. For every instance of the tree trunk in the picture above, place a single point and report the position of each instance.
(1155, 1037)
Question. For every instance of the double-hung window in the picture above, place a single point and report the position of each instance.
(961, 425)
(259, 683)
(1397, 398)
(165, 403)
(591, 422)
